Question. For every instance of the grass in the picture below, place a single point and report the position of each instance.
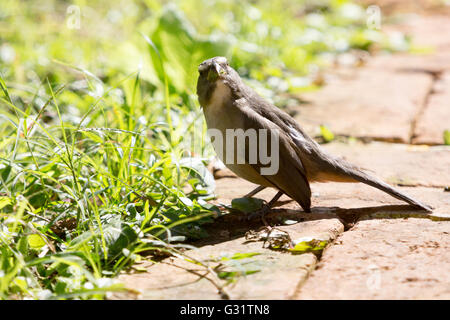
(102, 153)
(91, 193)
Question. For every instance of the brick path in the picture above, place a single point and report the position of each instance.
(377, 247)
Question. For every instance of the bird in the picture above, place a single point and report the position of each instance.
(229, 104)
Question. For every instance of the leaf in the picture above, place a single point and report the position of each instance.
(233, 274)
(238, 256)
(21, 283)
(81, 239)
(22, 245)
(4, 201)
(186, 201)
(307, 244)
(5, 90)
(176, 49)
(200, 171)
(327, 135)
(247, 205)
(139, 269)
(36, 241)
(447, 137)
(118, 236)
(5, 172)
(156, 58)
(211, 207)
(94, 136)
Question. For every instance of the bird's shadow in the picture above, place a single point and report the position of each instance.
(235, 225)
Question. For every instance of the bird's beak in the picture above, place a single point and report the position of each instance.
(214, 72)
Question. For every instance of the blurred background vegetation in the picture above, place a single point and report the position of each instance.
(102, 151)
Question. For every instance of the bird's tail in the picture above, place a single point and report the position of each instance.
(360, 176)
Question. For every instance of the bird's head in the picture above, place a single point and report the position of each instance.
(210, 72)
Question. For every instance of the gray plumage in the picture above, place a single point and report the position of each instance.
(228, 103)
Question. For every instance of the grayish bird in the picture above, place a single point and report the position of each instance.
(228, 103)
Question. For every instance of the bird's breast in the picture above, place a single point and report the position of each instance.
(221, 114)
(218, 112)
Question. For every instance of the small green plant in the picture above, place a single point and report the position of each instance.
(232, 268)
(447, 137)
(326, 133)
(305, 245)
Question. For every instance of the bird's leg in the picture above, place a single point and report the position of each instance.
(255, 191)
(274, 199)
(266, 208)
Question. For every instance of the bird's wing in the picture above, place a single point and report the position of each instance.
(303, 142)
(291, 176)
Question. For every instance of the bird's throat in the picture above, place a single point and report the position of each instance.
(219, 96)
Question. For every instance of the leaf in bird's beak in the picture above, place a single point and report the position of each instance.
(212, 75)
(214, 72)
